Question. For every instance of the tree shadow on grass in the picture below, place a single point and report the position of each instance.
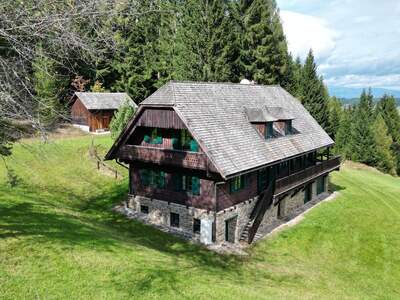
(96, 227)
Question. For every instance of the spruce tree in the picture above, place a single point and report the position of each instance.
(201, 41)
(313, 93)
(264, 55)
(335, 111)
(386, 107)
(363, 142)
(144, 59)
(385, 160)
(343, 138)
(120, 119)
(46, 86)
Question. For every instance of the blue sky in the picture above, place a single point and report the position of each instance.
(356, 42)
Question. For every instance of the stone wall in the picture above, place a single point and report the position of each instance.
(159, 214)
(242, 211)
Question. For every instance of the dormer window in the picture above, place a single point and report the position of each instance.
(270, 122)
(288, 127)
(269, 130)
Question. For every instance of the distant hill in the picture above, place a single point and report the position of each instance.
(355, 100)
(354, 93)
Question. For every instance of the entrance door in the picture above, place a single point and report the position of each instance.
(230, 229)
(307, 193)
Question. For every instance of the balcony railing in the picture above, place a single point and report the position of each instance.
(186, 159)
(296, 179)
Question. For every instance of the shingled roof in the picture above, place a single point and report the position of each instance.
(103, 101)
(215, 113)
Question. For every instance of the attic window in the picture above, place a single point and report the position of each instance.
(288, 127)
(269, 130)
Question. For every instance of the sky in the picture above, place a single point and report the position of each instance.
(356, 42)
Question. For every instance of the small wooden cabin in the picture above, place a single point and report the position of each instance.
(93, 111)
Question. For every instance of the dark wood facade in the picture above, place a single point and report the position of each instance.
(215, 193)
(94, 119)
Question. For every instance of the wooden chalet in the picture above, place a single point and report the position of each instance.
(221, 162)
(93, 111)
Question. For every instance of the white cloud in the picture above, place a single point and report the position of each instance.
(304, 32)
(361, 81)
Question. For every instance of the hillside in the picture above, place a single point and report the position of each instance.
(59, 239)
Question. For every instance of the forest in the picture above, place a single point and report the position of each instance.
(50, 49)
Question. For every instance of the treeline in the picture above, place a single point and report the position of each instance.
(368, 133)
(199, 40)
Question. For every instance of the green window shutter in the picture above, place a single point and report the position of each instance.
(161, 179)
(147, 138)
(194, 146)
(175, 143)
(144, 176)
(195, 185)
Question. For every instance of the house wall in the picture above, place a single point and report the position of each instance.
(94, 119)
(100, 119)
(79, 114)
(206, 199)
(159, 214)
(226, 199)
(160, 118)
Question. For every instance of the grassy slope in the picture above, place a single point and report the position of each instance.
(58, 239)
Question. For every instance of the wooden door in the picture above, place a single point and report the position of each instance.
(230, 229)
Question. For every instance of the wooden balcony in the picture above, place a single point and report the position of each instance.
(297, 179)
(176, 158)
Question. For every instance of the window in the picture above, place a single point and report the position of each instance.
(238, 183)
(174, 220)
(288, 127)
(154, 137)
(184, 141)
(184, 183)
(196, 225)
(144, 209)
(153, 178)
(321, 185)
(308, 193)
(269, 130)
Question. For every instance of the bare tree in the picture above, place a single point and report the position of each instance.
(69, 31)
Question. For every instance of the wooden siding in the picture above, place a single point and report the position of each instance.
(260, 127)
(79, 114)
(226, 199)
(206, 199)
(160, 118)
(99, 119)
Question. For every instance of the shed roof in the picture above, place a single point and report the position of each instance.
(215, 114)
(103, 101)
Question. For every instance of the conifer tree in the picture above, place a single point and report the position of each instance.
(264, 55)
(46, 85)
(313, 93)
(363, 142)
(201, 41)
(386, 107)
(335, 111)
(343, 138)
(120, 119)
(385, 160)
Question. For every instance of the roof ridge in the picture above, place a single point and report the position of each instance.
(223, 83)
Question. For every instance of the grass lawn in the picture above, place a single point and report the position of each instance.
(59, 240)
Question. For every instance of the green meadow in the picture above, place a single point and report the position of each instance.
(59, 239)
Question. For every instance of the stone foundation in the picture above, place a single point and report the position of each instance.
(159, 213)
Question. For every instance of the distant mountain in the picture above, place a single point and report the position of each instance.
(350, 93)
